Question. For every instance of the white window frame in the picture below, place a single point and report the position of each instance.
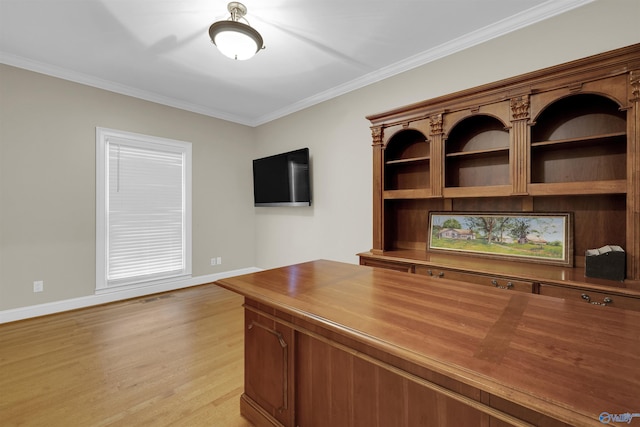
(103, 135)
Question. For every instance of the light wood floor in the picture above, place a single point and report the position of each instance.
(169, 359)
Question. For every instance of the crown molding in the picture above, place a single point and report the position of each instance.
(524, 19)
(88, 80)
(536, 14)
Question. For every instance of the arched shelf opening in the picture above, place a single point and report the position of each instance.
(579, 138)
(477, 153)
(406, 144)
(407, 165)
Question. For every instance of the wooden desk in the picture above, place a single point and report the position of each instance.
(328, 343)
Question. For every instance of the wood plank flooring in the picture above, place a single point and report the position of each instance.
(168, 359)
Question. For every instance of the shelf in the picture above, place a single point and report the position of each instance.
(487, 151)
(407, 161)
(477, 171)
(418, 193)
(618, 186)
(480, 191)
(582, 140)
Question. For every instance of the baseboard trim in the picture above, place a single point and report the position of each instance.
(28, 312)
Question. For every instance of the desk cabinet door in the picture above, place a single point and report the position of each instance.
(269, 366)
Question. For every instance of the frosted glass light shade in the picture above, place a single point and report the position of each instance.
(235, 40)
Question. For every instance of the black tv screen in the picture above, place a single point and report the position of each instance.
(282, 179)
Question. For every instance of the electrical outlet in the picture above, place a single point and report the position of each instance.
(219, 260)
(214, 261)
(38, 286)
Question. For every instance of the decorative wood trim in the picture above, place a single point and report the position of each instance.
(436, 124)
(437, 154)
(519, 155)
(592, 68)
(376, 135)
(633, 176)
(634, 81)
(378, 201)
(520, 108)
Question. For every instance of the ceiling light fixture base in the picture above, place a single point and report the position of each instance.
(234, 39)
(238, 8)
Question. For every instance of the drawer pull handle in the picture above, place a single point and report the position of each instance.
(441, 274)
(509, 285)
(430, 273)
(605, 300)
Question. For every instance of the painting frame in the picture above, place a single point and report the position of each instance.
(544, 238)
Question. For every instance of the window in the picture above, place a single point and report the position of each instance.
(143, 209)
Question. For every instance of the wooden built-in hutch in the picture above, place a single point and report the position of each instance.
(563, 139)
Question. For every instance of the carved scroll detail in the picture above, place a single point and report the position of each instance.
(376, 135)
(436, 124)
(634, 79)
(520, 108)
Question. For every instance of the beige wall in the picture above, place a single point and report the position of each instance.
(47, 183)
(47, 159)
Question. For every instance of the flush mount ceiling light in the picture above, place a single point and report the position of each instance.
(234, 39)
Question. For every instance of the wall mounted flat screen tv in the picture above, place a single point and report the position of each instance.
(282, 179)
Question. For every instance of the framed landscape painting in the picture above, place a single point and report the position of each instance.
(542, 238)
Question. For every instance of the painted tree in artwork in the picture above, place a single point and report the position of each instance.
(520, 228)
(502, 224)
(488, 225)
(452, 223)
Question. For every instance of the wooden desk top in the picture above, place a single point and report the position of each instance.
(568, 360)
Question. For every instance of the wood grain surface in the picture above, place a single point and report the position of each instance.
(567, 360)
(170, 359)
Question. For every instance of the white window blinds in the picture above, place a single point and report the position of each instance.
(146, 209)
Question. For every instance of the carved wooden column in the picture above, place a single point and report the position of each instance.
(633, 176)
(378, 201)
(437, 155)
(520, 153)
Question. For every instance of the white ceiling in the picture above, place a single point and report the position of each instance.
(159, 50)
